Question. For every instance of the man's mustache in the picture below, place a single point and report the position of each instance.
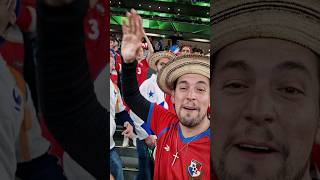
(259, 133)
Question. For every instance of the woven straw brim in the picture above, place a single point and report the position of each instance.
(296, 21)
(186, 64)
(157, 56)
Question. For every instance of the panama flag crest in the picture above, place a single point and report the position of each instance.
(194, 169)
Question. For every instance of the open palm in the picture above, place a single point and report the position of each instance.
(132, 35)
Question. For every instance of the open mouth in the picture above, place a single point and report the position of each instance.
(188, 108)
(255, 148)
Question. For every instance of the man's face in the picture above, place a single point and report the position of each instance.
(112, 43)
(7, 14)
(161, 62)
(266, 110)
(140, 54)
(185, 50)
(192, 98)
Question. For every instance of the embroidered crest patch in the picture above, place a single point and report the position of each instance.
(194, 169)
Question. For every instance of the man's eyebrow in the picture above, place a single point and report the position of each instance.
(199, 82)
(236, 64)
(182, 82)
(292, 65)
(202, 82)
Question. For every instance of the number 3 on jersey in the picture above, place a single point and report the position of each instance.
(94, 34)
(138, 70)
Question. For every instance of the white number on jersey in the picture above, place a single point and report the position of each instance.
(139, 70)
(94, 34)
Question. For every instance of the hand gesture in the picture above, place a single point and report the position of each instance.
(128, 132)
(132, 35)
(151, 141)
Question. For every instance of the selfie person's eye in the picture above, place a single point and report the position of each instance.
(291, 90)
(201, 90)
(235, 85)
(182, 88)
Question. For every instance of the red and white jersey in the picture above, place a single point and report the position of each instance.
(27, 19)
(115, 68)
(141, 73)
(95, 24)
(193, 158)
(142, 70)
(27, 16)
(13, 53)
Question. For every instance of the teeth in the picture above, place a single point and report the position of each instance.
(254, 147)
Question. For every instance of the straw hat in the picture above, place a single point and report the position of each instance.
(297, 21)
(185, 64)
(152, 61)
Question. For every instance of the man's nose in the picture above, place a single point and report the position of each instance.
(191, 94)
(259, 107)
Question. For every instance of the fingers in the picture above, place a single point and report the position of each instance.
(128, 127)
(131, 22)
(126, 124)
(135, 19)
(137, 24)
(127, 133)
(154, 141)
(140, 26)
(125, 27)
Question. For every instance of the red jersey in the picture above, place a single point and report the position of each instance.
(193, 158)
(142, 70)
(27, 18)
(13, 53)
(115, 69)
(114, 76)
(95, 24)
(169, 102)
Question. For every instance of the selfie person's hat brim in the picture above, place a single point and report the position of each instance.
(296, 21)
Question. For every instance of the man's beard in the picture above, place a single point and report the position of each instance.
(190, 123)
(285, 172)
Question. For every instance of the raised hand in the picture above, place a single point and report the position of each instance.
(128, 132)
(132, 35)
